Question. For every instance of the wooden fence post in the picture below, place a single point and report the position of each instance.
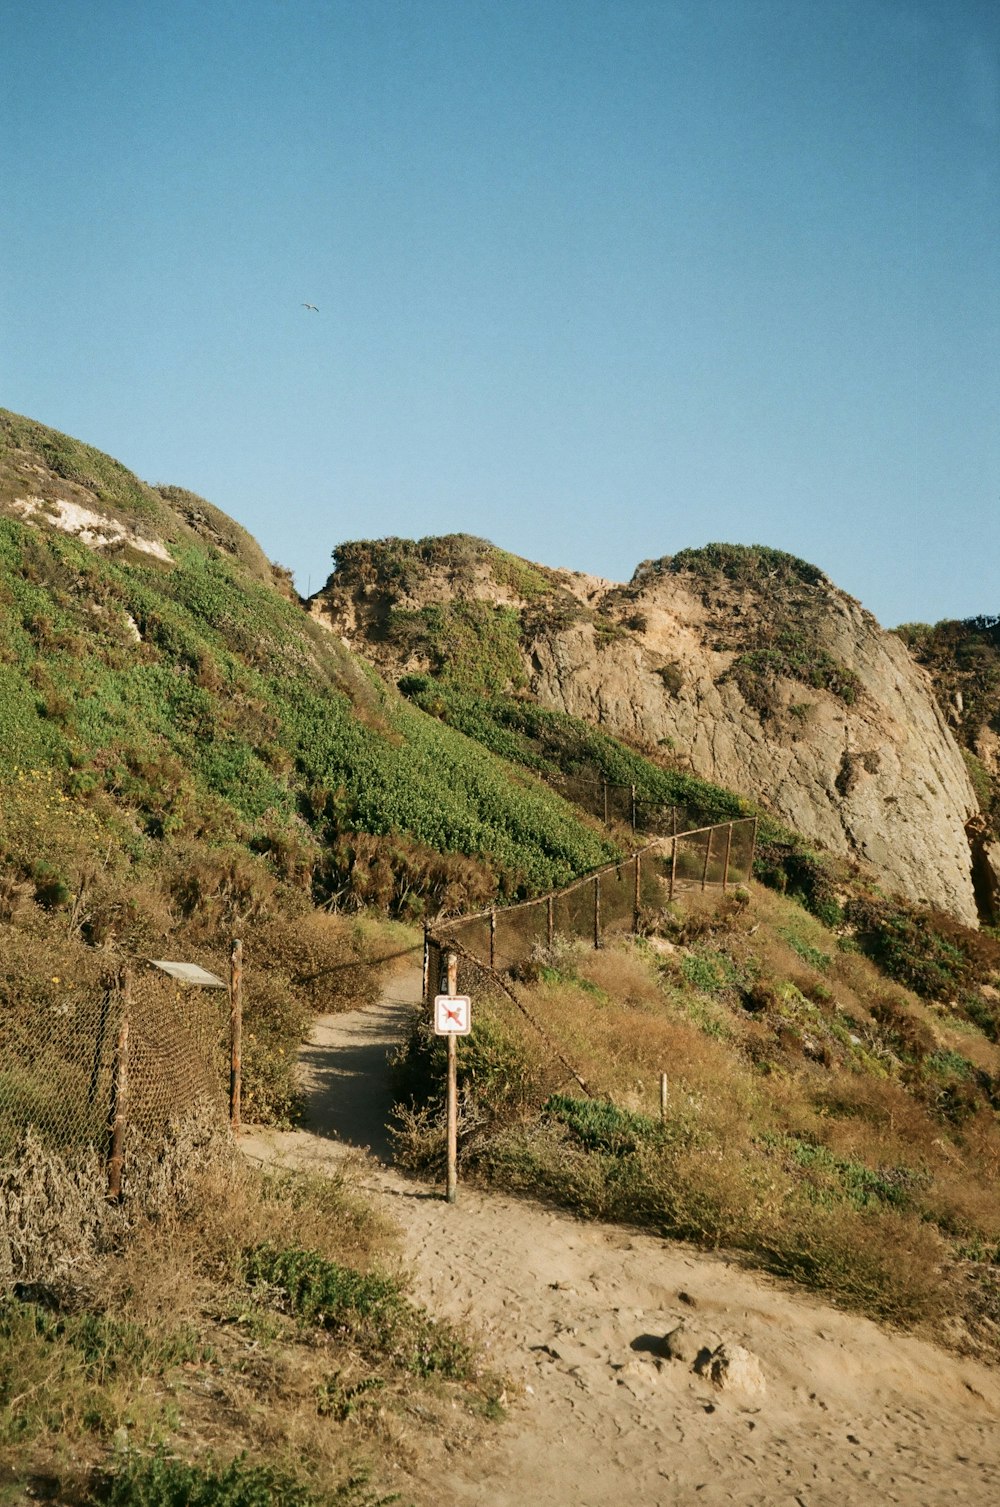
(235, 1034)
(673, 865)
(452, 1187)
(708, 857)
(597, 910)
(663, 1098)
(493, 938)
(427, 963)
(633, 808)
(637, 894)
(551, 919)
(119, 1091)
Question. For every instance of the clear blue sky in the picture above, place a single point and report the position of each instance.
(598, 279)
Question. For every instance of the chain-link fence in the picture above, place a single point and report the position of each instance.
(615, 899)
(136, 1055)
(491, 947)
(623, 806)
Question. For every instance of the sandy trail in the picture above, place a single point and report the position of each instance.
(574, 1310)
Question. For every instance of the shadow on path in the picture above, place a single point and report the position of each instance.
(344, 1068)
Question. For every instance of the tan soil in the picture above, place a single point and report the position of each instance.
(573, 1311)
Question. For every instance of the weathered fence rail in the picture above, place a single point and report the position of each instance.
(611, 900)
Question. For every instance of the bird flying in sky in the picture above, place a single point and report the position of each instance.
(311, 306)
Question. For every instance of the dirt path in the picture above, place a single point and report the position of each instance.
(575, 1312)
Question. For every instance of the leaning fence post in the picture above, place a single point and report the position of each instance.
(119, 1091)
(427, 961)
(235, 1034)
(708, 857)
(729, 849)
(452, 1186)
(597, 910)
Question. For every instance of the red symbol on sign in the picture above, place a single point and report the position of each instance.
(452, 1014)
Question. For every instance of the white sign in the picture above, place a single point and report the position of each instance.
(189, 973)
(452, 1015)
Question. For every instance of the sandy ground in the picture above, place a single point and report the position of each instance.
(575, 1312)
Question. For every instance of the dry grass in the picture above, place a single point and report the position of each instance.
(822, 1122)
(159, 1337)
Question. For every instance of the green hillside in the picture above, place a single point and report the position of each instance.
(193, 700)
(185, 754)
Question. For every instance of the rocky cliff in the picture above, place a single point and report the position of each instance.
(745, 665)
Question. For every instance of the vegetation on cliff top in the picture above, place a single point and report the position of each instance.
(755, 566)
(963, 658)
(403, 564)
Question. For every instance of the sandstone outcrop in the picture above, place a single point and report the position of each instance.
(747, 666)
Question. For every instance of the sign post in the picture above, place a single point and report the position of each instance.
(452, 1018)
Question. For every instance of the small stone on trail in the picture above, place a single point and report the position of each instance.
(685, 1297)
(731, 1367)
(679, 1345)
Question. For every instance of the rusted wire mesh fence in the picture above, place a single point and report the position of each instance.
(493, 947)
(615, 899)
(141, 1052)
(622, 805)
(487, 986)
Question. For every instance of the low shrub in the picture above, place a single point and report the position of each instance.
(370, 1309)
(930, 953)
(161, 1481)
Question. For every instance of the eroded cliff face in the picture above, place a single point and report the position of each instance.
(771, 682)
